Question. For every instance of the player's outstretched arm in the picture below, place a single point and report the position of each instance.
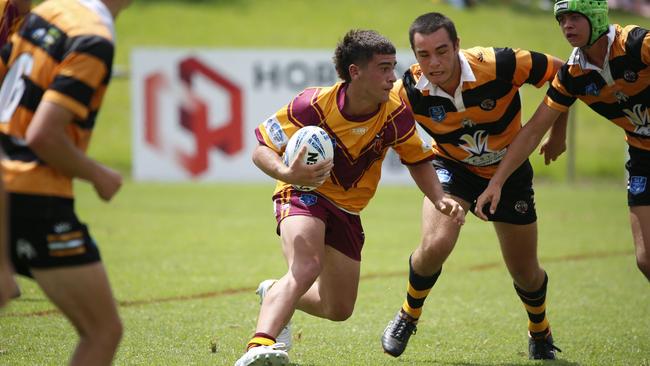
(523, 145)
(47, 137)
(426, 179)
(297, 172)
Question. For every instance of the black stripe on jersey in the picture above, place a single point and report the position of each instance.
(16, 150)
(578, 85)
(88, 123)
(5, 53)
(73, 88)
(558, 97)
(96, 46)
(495, 89)
(615, 110)
(506, 63)
(538, 68)
(619, 65)
(493, 128)
(634, 42)
(32, 95)
(41, 33)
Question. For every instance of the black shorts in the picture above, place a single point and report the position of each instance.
(638, 168)
(517, 204)
(44, 232)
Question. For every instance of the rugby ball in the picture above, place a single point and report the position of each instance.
(320, 146)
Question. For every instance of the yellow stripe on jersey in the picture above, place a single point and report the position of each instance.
(479, 135)
(361, 143)
(70, 51)
(626, 100)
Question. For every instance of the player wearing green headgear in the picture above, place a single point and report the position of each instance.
(594, 10)
(609, 70)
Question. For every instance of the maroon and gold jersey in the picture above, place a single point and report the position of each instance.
(10, 20)
(361, 142)
(63, 54)
(620, 91)
(476, 125)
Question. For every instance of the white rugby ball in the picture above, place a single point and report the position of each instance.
(320, 146)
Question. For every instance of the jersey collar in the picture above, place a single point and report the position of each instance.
(578, 57)
(466, 75)
(100, 8)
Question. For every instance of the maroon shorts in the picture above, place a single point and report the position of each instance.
(343, 230)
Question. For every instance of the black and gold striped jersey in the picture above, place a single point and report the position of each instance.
(63, 53)
(619, 91)
(476, 126)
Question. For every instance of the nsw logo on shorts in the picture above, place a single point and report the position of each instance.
(444, 176)
(637, 185)
(308, 199)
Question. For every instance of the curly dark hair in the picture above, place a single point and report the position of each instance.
(429, 23)
(358, 46)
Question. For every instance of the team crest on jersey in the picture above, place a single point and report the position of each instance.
(630, 76)
(488, 104)
(308, 199)
(477, 147)
(437, 113)
(637, 184)
(444, 176)
(592, 89)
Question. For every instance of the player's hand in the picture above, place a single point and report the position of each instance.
(8, 286)
(308, 175)
(451, 208)
(552, 148)
(106, 182)
(491, 194)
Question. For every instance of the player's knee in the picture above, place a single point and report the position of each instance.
(108, 333)
(340, 312)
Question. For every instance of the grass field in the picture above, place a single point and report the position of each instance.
(184, 259)
(184, 269)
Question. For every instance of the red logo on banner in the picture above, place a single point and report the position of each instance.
(193, 115)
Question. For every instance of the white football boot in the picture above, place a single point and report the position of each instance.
(274, 355)
(285, 334)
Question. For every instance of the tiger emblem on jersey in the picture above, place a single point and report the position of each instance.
(640, 118)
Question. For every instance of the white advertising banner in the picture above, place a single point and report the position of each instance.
(195, 111)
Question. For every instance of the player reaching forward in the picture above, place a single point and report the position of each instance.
(609, 70)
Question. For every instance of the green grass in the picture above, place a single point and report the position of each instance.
(184, 260)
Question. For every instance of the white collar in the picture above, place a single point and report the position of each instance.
(466, 74)
(578, 57)
(100, 8)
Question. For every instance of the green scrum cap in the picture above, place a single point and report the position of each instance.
(594, 10)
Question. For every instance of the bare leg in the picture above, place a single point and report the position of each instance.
(640, 222)
(84, 295)
(519, 250)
